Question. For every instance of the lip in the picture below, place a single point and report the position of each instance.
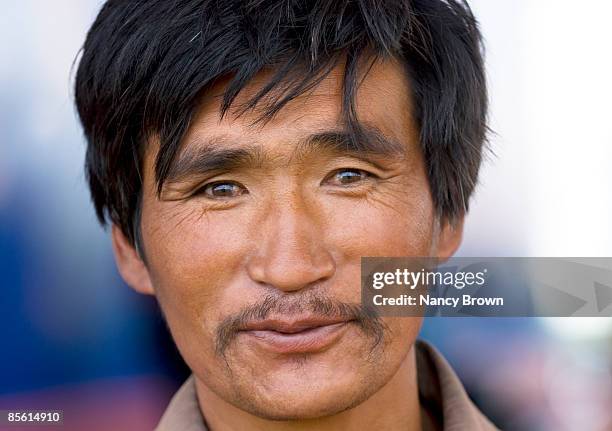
(296, 336)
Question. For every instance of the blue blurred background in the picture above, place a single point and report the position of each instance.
(76, 338)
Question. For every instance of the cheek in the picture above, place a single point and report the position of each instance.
(393, 224)
(402, 332)
(193, 257)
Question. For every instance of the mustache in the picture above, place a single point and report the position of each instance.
(366, 318)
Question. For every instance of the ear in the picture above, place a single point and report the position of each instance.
(130, 265)
(449, 238)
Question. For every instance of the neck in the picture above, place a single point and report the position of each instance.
(394, 407)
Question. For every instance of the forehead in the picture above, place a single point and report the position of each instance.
(383, 100)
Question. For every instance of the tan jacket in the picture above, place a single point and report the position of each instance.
(444, 403)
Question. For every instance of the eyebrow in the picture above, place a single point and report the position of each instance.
(216, 153)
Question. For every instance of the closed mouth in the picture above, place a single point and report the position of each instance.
(296, 336)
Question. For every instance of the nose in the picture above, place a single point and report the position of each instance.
(291, 254)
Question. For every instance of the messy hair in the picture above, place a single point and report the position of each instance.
(147, 65)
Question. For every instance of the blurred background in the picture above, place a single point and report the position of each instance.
(74, 337)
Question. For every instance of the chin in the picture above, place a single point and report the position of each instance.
(304, 406)
(304, 396)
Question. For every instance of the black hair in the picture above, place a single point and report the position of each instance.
(146, 65)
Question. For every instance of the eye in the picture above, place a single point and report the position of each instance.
(222, 190)
(344, 177)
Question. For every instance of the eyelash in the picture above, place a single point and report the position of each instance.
(361, 174)
(203, 190)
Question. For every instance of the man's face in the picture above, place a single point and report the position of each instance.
(253, 250)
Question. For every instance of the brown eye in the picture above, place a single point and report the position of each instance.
(223, 189)
(349, 176)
